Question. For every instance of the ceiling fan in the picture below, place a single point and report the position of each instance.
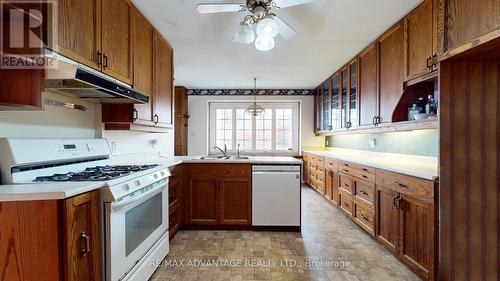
(267, 24)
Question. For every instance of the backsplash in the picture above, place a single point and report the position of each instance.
(421, 142)
(59, 122)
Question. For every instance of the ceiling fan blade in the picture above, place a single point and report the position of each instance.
(285, 30)
(289, 3)
(219, 8)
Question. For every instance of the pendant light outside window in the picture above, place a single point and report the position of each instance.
(255, 109)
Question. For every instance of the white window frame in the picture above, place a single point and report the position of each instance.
(295, 106)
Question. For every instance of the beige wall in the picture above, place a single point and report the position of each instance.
(198, 119)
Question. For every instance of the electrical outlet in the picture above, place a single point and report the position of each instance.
(372, 143)
(114, 147)
(154, 144)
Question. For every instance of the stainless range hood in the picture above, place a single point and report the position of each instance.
(70, 77)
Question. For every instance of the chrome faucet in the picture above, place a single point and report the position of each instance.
(238, 151)
(223, 151)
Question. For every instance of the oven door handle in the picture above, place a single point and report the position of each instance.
(126, 202)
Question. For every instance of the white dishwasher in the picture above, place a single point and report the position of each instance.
(276, 196)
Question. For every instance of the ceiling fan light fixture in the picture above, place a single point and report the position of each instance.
(267, 28)
(245, 34)
(264, 43)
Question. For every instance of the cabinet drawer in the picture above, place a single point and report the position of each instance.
(220, 170)
(365, 191)
(364, 217)
(415, 187)
(346, 184)
(332, 164)
(363, 175)
(356, 166)
(345, 202)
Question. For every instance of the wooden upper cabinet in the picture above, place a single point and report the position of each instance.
(235, 201)
(116, 39)
(353, 94)
(419, 40)
(142, 44)
(368, 82)
(164, 80)
(467, 21)
(79, 30)
(81, 238)
(391, 72)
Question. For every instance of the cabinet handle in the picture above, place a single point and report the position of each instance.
(105, 64)
(135, 114)
(99, 59)
(378, 120)
(394, 201)
(401, 184)
(346, 164)
(364, 217)
(363, 192)
(347, 171)
(156, 119)
(330, 127)
(364, 176)
(365, 169)
(373, 121)
(428, 63)
(85, 237)
(434, 60)
(346, 185)
(330, 173)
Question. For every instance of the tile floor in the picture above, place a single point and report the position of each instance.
(330, 247)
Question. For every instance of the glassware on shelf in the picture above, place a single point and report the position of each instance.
(413, 111)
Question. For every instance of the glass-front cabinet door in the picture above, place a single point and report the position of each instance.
(344, 98)
(318, 108)
(326, 107)
(335, 110)
(353, 95)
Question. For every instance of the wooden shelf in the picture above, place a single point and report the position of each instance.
(388, 127)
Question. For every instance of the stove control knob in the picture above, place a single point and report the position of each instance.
(155, 176)
(126, 187)
(162, 173)
(137, 182)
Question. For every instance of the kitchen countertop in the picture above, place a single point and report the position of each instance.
(62, 190)
(418, 166)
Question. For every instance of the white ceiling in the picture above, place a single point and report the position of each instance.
(330, 33)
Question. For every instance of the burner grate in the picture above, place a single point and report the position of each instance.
(98, 173)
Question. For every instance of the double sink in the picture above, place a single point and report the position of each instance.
(222, 157)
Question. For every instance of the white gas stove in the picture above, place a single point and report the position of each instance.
(133, 197)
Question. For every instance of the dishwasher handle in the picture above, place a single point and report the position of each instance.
(277, 172)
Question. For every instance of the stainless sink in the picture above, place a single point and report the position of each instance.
(222, 157)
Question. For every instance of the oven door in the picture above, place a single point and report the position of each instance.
(133, 226)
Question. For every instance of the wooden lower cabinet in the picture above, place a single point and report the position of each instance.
(202, 201)
(387, 218)
(406, 227)
(51, 240)
(331, 180)
(176, 202)
(81, 246)
(219, 195)
(235, 201)
(417, 236)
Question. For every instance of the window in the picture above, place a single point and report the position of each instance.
(274, 131)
